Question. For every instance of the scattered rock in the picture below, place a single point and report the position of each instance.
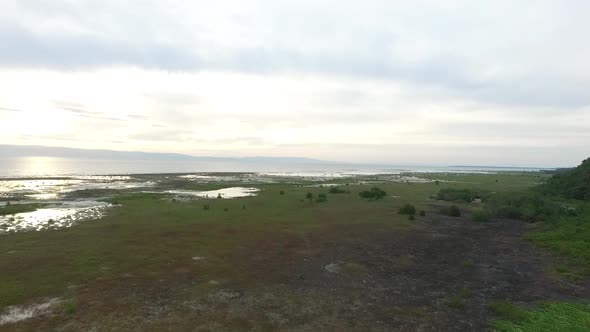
(213, 282)
(224, 295)
(333, 268)
(277, 319)
(198, 258)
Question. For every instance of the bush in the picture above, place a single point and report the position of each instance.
(411, 217)
(309, 196)
(422, 213)
(480, 215)
(570, 183)
(461, 195)
(336, 190)
(282, 192)
(525, 206)
(407, 209)
(373, 194)
(206, 207)
(451, 211)
(321, 198)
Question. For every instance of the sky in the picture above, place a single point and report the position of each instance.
(403, 82)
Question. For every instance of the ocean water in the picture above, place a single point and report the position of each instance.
(54, 166)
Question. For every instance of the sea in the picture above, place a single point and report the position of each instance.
(12, 167)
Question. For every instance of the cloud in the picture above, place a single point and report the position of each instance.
(9, 109)
(251, 77)
(531, 56)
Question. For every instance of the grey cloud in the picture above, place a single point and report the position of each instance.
(22, 48)
(325, 40)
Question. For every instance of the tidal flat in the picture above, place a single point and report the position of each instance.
(287, 253)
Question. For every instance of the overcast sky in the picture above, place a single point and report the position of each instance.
(412, 82)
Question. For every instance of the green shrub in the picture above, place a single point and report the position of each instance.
(422, 213)
(206, 207)
(321, 198)
(407, 209)
(451, 211)
(282, 192)
(461, 195)
(480, 215)
(70, 307)
(527, 206)
(336, 190)
(411, 217)
(309, 196)
(570, 183)
(373, 194)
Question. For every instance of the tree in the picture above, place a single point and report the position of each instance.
(373, 194)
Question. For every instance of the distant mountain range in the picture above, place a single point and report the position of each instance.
(47, 151)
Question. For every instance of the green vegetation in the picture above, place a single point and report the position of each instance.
(528, 206)
(451, 211)
(407, 209)
(321, 198)
(507, 310)
(458, 301)
(569, 236)
(151, 242)
(149, 232)
(480, 215)
(573, 183)
(373, 194)
(550, 316)
(70, 306)
(461, 195)
(337, 190)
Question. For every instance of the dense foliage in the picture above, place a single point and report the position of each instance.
(574, 183)
(407, 209)
(336, 190)
(373, 194)
(528, 206)
(461, 195)
(451, 211)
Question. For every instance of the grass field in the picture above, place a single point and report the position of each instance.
(206, 250)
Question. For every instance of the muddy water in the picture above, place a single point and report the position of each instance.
(63, 214)
(51, 189)
(232, 192)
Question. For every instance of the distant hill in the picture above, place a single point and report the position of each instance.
(47, 151)
(571, 183)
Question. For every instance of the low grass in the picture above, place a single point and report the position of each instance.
(149, 235)
(459, 300)
(549, 316)
(569, 236)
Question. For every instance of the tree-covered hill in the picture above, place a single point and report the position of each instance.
(574, 183)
